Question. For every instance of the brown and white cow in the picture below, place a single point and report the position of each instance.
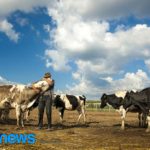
(21, 97)
(4, 113)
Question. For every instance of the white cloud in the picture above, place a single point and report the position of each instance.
(47, 28)
(147, 62)
(94, 48)
(7, 28)
(5, 81)
(58, 61)
(8, 6)
(130, 81)
(82, 37)
(101, 9)
(22, 21)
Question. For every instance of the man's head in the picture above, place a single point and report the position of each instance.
(47, 75)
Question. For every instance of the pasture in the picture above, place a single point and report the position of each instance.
(101, 132)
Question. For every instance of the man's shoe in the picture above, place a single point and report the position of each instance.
(39, 128)
(49, 129)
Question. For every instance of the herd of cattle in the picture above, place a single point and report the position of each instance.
(25, 98)
(130, 101)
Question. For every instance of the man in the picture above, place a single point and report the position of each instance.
(45, 101)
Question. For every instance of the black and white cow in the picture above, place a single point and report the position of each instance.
(70, 102)
(118, 102)
(142, 101)
(21, 98)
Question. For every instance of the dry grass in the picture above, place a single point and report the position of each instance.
(101, 132)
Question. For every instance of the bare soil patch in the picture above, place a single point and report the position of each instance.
(102, 131)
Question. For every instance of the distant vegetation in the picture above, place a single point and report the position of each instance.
(92, 101)
(94, 105)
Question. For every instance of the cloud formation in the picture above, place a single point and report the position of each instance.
(8, 7)
(7, 28)
(4, 81)
(83, 37)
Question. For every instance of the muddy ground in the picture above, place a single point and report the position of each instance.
(102, 131)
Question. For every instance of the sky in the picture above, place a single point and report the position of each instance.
(90, 47)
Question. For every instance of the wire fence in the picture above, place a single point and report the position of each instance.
(96, 107)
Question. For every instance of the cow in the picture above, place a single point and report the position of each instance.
(140, 99)
(70, 102)
(21, 97)
(118, 101)
(4, 113)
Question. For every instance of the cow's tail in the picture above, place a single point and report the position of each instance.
(84, 99)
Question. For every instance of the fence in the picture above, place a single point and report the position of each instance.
(96, 107)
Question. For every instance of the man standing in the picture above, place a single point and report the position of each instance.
(45, 101)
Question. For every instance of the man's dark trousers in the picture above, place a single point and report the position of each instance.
(45, 101)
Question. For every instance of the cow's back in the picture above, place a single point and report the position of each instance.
(142, 96)
(5, 91)
(73, 101)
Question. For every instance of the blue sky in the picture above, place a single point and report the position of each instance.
(20, 61)
(23, 61)
(89, 47)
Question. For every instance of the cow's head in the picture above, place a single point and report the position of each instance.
(42, 86)
(57, 102)
(103, 101)
(55, 99)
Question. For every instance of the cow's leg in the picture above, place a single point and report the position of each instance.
(18, 114)
(80, 114)
(22, 119)
(83, 113)
(140, 119)
(144, 120)
(5, 114)
(27, 115)
(1, 113)
(61, 114)
(148, 121)
(123, 115)
(123, 123)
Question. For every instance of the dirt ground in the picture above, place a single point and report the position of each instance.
(101, 132)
